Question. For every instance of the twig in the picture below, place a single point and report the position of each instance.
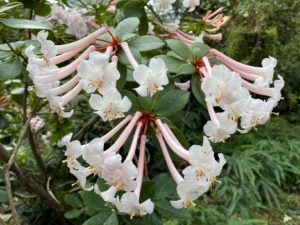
(10, 162)
(36, 154)
(85, 128)
(11, 47)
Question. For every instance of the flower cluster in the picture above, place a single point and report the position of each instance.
(125, 178)
(166, 5)
(227, 88)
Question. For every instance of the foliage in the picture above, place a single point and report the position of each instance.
(262, 171)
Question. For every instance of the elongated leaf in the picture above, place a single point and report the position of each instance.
(73, 200)
(24, 24)
(73, 213)
(112, 220)
(10, 6)
(127, 26)
(164, 207)
(185, 68)
(196, 89)
(147, 43)
(92, 200)
(99, 218)
(165, 186)
(10, 69)
(180, 49)
(171, 102)
(171, 62)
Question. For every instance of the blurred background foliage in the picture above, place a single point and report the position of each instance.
(260, 184)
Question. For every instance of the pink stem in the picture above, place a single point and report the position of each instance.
(207, 65)
(178, 150)
(64, 71)
(228, 61)
(129, 55)
(71, 94)
(192, 38)
(132, 149)
(172, 135)
(123, 137)
(90, 39)
(141, 162)
(173, 171)
(66, 86)
(112, 132)
(257, 89)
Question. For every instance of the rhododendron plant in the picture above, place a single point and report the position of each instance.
(138, 80)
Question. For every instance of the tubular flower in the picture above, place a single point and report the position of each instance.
(229, 87)
(125, 179)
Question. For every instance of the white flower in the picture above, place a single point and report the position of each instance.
(56, 104)
(219, 132)
(202, 158)
(111, 106)
(151, 79)
(81, 173)
(118, 174)
(47, 47)
(94, 155)
(268, 64)
(163, 5)
(74, 149)
(108, 195)
(191, 4)
(37, 123)
(278, 85)
(219, 88)
(258, 114)
(188, 191)
(130, 204)
(199, 39)
(97, 73)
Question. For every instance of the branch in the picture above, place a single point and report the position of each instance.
(26, 178)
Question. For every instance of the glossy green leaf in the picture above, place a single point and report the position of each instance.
(171, 62)
(127, 26)
(98, 219)
(147, 43)
(180, 49)
(196, 90)
(71, 214)
(185, 68)
(92, 200)
(171, 102)
(112, 220)
(24, 24)
(10, 69)
(152, 219)
(42, 9)
(199, 49)
(166, 186)
(164, 208)
(10, 6)
(73, 200)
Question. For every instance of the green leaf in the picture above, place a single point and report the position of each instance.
(196, 90)
(144, 25)
(24, 24)
(136, 54)
(127, 26)
(171, 102)
(185, 68)
(165, 186)
(98, 219)
(199, 49)
(10, 6)
(123, 76)
(171, 62)
(152, 219)
(146, 103)
(42, 9)
(10, 69)
(73, 200)
(180, 49)
(92, 200)
(147, 43)
(71, 214)
(3, 196)
(164, 208)
(112, 220)
(133, 8)
(148, 190)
